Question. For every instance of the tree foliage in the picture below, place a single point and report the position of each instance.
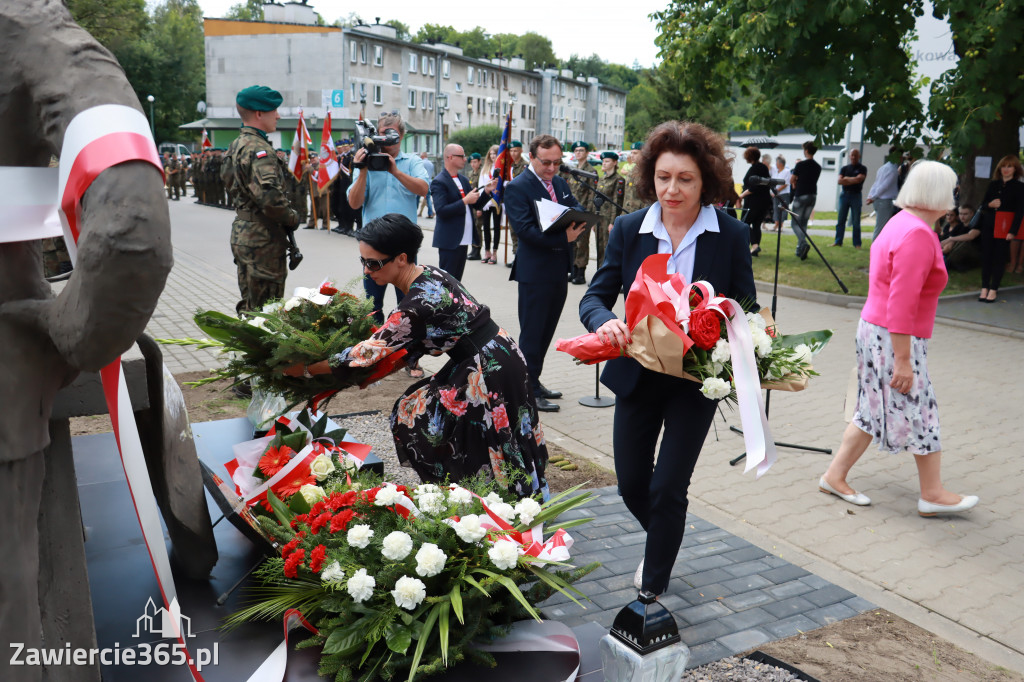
(112, 22)
(250, 10)
(476, 139)
(534, 48)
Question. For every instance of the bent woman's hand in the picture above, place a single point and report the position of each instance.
(614, 332)
(902, 376)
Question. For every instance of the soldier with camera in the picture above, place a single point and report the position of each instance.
(265, 220)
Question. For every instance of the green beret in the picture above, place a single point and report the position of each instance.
(637, 145)
(581, 143)
(475, 155)
(609, 155)
(516, 144)
(258, 98)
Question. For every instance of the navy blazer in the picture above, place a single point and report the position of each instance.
(541, 257)
(450, 210)
(722, 258)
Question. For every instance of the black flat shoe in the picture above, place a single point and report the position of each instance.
(756, 252)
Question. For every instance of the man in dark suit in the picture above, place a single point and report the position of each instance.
(454, 198)
(543, 261)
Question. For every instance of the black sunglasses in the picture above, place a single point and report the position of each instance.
(374, 264)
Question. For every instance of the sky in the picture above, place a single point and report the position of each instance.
(583, 27)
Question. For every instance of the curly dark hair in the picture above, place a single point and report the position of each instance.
(752, 154)
(699, 142)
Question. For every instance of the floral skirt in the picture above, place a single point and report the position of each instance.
(474, 417)
(896, 421)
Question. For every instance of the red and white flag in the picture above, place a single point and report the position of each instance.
(206, 141)
(328, 158)
(300, 148)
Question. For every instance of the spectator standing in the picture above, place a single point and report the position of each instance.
(883, 192)
(757, 197)
(427, 200)
(851, 179)
(805, 194)
(780, 200)
(490, 215)
(474, 178)
(518, 166)
(1004, 194)
(455, 198)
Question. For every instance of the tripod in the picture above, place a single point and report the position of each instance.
(775, 304)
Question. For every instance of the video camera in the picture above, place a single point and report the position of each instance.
(376, 159)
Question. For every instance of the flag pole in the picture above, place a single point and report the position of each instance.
(312, 200)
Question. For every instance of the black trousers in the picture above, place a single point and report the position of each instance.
(540, 306)
(453, 261)
(490, 222)
(754, 218)
(656, 493)
(994, 254)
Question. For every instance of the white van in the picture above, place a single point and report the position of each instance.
(175, 148)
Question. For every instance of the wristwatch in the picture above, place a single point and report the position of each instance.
(306, 373)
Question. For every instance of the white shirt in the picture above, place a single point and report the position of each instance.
(680, 260)
(467, 232)
(783, 174)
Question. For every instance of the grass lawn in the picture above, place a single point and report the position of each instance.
(850, 264)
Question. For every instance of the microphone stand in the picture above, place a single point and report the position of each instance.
(775, 305)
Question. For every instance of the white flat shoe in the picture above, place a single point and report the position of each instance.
(638, 577)
(931, 509)
(856, 498)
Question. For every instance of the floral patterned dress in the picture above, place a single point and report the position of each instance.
(474, 416)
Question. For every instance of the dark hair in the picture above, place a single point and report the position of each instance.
(810, 148)
(392, 234)
(752, 154)
(545, 142)
(967, 206)
(1009, 160)
(704, 145)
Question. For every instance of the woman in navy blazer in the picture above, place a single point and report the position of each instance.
(684, 169)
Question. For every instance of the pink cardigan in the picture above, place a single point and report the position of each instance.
(906, 276)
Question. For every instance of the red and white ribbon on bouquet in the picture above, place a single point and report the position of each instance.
(276, 665)
(531, 542)
(530, 635)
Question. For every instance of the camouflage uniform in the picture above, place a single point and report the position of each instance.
(630, 201)
(183, 171)
(517, 169)
(614, 185)
(171, 169)
(254, 177)
(217, 183)
(585, 196)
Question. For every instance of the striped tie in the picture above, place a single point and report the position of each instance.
(551, 191)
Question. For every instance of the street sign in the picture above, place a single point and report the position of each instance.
(337, 99)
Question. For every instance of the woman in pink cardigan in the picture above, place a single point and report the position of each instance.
(895, 401)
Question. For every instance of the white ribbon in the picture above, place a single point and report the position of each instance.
(529, 635)
(28, 201)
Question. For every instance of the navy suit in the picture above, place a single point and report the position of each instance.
(647, 401)
(450, 211)
(541, 267)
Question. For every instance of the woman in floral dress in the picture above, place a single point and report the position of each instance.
(477, 414)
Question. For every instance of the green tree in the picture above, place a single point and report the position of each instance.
(434, 33)
(536, 50)
(819, 64)
(403, 29)
(115, 23)
(477, 139)
(250, 10)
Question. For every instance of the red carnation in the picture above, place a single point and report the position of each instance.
(275, 459)
(299, 518)
(317, 557)
(320, 522)
(341, 520)
(291, 546)
(292, 563)
(318, 508)
(338, 500)
(328, 289)
(705, 328)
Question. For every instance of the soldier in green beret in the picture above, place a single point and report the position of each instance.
(254, 179)
(630, 201)
(171, 168)
(613, 185)
(518, 166)
(585, 196)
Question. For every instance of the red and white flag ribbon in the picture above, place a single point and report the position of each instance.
(530, 635)
(276, 664)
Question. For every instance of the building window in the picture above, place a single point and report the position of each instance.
(423, 65)
(458, 86)
(423, 101)
(504, 81)
(378, 94)
(378, 55)
(412, 99)
(522, 113)
(413, 62)
(469, 75)
(395, 78)
(524, 86)
(446, 69)
(431, 71)
(458, 117)
(352, 48)
(430, 100)
(355, 92)
(362, 53)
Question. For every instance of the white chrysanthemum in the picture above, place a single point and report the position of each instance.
(802, 354)
(460, 495)
(721, 353)
(425, 489)
(504, 510)
(469, 530)
(409, 592)
(333, 573)
(716, 368)
(322, 466)
(762, 342)
(756, 321)
(312, 493)
(431, 503)
(273, 307)
(504, 554)
(396, 545)
(716, 388)
(292, 302)
(528, 509)
(359, 536)
(387, 496)
(258, 322)
(360, 585)
(430, 560)
(492, 498)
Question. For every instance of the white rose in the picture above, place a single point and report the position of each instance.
(721, 353)
(312, 493)
(492, 499)
(396, 545)
(528, 509)
(322, 466)
(387, 496)
(802, 354)
(409, 592)
(359, 536)
(459, 495)
(756, 321)
(292, 302)
(333, 573)
(762, 342)
(504, 554)
(468, 529)
(431, 503)
(360, 586)
(425, 489)
(716, 388)
(429, 560)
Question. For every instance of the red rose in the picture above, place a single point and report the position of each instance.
(328, 289)
(705, 328)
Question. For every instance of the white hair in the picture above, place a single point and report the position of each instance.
(929, 186)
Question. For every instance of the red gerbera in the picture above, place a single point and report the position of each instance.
(341, 520)
(317, 557)
(275, 459)
(296, 478)
(292, 563)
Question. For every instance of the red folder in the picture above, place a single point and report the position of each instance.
(1002, 226)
